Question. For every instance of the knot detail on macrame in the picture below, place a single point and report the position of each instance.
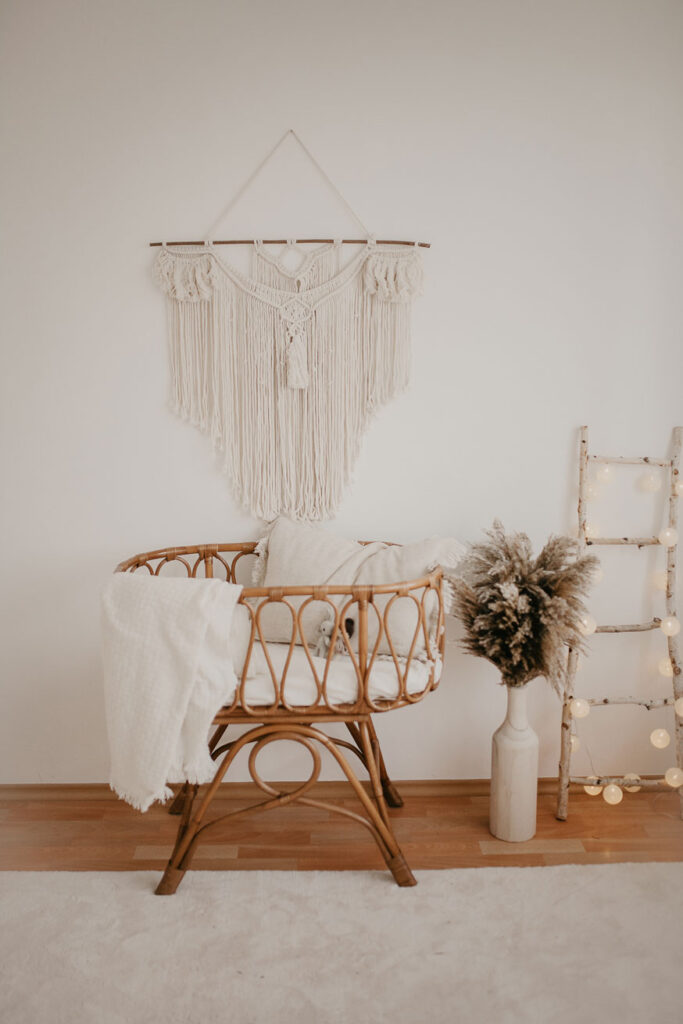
(393, 277)
(295, 314)
(186, 277)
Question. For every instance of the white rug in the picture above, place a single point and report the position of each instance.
(549, 945)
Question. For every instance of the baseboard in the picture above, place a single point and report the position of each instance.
(408, 788)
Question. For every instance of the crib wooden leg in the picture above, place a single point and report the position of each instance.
(170, 881)
(369, 755)
(173, 874)
(388, 845)
(179, 800)
(403, 876)
(391, 794)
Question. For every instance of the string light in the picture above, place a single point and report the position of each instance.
(574, 743)
(604, 473)
(591, 530)
(666, 669)
(660, 738)
(588, 625)
(669, 625)
(674, 777)
(678, 487)
(632, 777)
(650, 483)
(591, 789)
(668, 537)
(660, 580)
(579, 708)
(612, 794)
(678, 707)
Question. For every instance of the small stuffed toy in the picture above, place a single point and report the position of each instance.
(325, 632)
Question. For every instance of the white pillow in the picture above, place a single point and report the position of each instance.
(300, 554)
(398, 564)
(295, 554)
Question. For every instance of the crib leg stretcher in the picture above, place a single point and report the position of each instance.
(375, 817)
(391, 795)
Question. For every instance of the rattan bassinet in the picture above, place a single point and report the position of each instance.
(347, 687)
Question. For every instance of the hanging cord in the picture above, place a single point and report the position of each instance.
(243, 188)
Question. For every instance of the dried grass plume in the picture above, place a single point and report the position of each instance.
(520, 613)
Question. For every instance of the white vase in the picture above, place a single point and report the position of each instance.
(514, 773)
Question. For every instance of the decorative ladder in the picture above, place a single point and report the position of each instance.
(565, 777)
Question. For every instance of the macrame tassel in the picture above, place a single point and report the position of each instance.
(393, 277)
(297, 361)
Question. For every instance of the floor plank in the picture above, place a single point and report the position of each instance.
(442, 825)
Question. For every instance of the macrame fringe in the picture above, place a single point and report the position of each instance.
(297, 363)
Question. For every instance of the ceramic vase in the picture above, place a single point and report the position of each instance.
(514, 772)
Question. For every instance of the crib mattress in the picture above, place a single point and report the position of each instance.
(342, 684)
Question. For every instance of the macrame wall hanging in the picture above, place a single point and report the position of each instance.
(281, 368)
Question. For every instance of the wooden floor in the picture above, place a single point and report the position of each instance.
(442, 825)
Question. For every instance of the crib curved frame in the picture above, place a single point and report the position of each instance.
(212, 560)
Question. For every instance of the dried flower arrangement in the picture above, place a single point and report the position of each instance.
(520, 613)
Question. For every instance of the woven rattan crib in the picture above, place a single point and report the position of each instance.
(362, 624)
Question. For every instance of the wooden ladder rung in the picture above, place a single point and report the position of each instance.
(636, 627)
(644, 702)
(639, 542)
(618, 780)
(623, 461)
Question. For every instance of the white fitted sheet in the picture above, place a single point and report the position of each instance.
(342, 683)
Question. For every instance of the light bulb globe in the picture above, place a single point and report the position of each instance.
(660, 580)
(674, 777)
(587, 625)
(612, 794)
(660, 738)
(591, 789)
(668, 537)
(650, 483)
(670, 625)
(665, 667)
(631, 778)
(579, 708)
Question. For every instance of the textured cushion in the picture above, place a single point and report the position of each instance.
(401, 563)
(298, 554)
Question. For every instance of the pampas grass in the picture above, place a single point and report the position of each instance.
(520, 613)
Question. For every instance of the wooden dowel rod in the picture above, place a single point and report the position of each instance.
(655, 702)
(618, 780)
(638, 627)
(640, 542)
(645, 460)
(298, 241)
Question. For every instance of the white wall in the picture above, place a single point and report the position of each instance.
(536, 144)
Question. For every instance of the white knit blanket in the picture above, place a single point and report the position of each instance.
(167, 671)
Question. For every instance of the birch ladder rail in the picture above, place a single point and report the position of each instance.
(565, 776)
